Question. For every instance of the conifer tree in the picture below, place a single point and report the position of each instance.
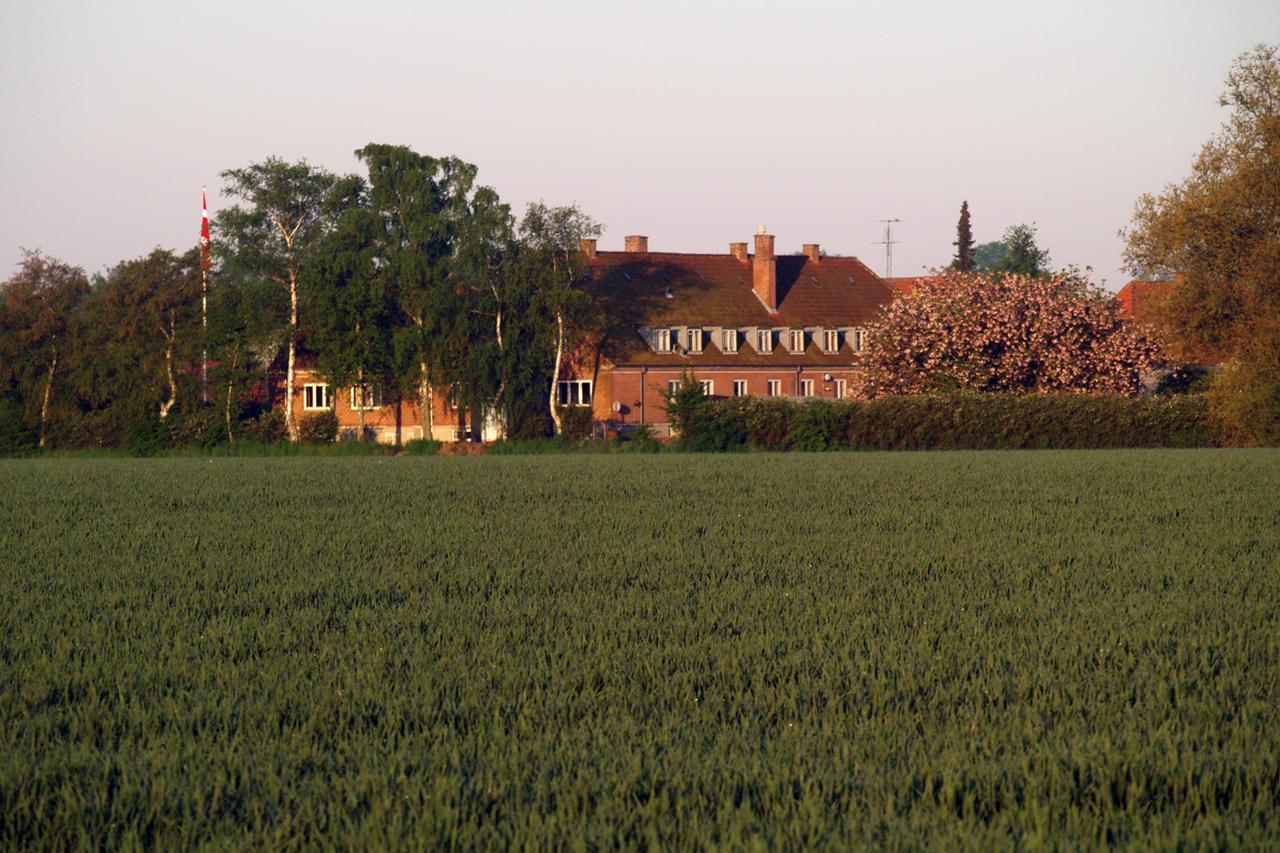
(963, 259)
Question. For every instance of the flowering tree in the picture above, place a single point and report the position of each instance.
(1005, 333)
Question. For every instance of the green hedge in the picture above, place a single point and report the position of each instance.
(951, 422)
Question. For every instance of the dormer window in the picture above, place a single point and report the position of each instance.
(663, 341)
(693, 339)
(859, 339)
(764, 340)
(831, 340)
(730, 341)
(797, 340)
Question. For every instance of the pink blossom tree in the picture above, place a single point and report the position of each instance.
(1006, 333)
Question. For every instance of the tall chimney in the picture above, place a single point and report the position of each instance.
(764, 270)
(739, 251)
(637, 243)
(587, 248)
(812, 252)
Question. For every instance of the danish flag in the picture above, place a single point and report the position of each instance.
(206, 255)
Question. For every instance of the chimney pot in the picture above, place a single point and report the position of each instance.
(764, 271)
(637, 243)
(739, 251)
(812, 252)
(587, 247)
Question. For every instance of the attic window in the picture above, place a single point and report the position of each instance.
(694, 337)
(730, 341)
(664, 340)
(797, 340)
(764, 340)
(859, 339)
(830, 340)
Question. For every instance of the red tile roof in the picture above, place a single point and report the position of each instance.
(1141, 300)
(906, 285)
(674, 289)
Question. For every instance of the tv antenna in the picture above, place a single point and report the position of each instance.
(888, 242)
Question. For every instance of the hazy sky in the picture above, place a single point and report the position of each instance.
(691, 122)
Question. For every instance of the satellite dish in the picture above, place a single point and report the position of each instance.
(617, 406)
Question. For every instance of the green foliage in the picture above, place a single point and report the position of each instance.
(146, 436)
(267, 428)
(1244, 404)
(575, 421)
(963, 259)
(685, 405)
(925, 651)
(423, 447)
(953, 421)
(987, 256)
(1022, 255)
(318, 428)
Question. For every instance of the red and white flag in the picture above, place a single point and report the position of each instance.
(206, 255)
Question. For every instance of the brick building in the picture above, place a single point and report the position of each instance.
(743, 323)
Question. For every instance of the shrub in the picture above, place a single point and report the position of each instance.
(575, 421)
(204, 427)
(423, 447)
(320, 428)
(146, 436)
(1244, 404)
(268, 428)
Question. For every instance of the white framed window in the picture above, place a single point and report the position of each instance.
(859, 340)
(708, 387)
(797, 340)
(764, 340)
(806, 387)
(842, 389)
(729, 340)
(831, 340)
(664, 340)
(775, 387)
(574, 392)
(364, 397)
(315, 397)
(673, 385)
(739, 387)
(693, 339)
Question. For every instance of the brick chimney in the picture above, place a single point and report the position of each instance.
(587, 248)
(764, 270)
(637, 243)
(812, 252)
(739, 251)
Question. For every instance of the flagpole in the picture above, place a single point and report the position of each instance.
(204, 296)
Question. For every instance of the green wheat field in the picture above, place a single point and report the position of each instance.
(947, 650)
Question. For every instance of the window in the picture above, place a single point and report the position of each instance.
(841, 389)
(364, 397)
(806, 387)
(859, 339)
(574, 392)
(315, 397)
(730, 340)
(831, 340)
(739, 387)
(694, 338)
(664, 340)
(797, 340)
(708, 387)
(775, 387)
(764, 340)
(673, 385)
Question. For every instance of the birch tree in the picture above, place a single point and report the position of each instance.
(551, 239)
(287, 208)
(38, 305)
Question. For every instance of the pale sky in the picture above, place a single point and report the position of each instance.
(691, 122)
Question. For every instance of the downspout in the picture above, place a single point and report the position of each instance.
(644, 372)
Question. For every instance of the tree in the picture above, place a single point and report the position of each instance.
(551, 238)
(288, 208)
(38, 307)
(244, 335)
(1217, 235)
(1007, 332)
(1022, 255)
(963, 259)
(987, 256)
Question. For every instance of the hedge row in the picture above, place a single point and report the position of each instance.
(949, 422)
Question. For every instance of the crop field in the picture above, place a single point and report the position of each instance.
(953, 650)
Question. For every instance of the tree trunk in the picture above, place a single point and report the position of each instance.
(169, 336)
(360, 408)
(499, 404)
(48, 392)
(555, 373)
(290, 424)
(235, 360)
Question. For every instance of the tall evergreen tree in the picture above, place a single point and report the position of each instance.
(963, 259)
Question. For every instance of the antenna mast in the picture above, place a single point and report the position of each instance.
(888, 242)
